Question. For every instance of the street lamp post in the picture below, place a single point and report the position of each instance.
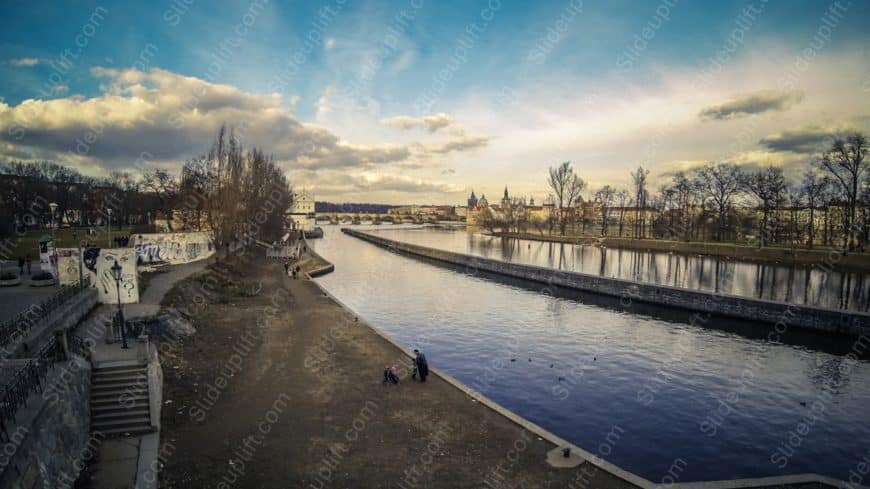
(116, 274)
(109, 239)
(53, 207)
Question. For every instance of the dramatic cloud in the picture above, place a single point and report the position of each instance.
(431, 123)
(752, 103)
(24, 62)
(168, 117)
(808, 140)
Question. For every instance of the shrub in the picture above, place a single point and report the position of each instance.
(8, 276)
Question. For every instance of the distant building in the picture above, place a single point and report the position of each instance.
(300, 215)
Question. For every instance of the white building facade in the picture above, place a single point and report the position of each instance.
(300, 215)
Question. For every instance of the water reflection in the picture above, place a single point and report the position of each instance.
(801, 285)
(655, 376)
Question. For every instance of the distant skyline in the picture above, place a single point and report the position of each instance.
(421, 101)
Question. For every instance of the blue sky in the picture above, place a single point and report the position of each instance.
(536, 83)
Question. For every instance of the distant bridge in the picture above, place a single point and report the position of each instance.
(336, 218)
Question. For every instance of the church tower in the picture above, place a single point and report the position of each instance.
(472, 200)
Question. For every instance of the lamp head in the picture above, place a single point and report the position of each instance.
(116, 271)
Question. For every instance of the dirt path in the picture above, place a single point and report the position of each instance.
(284, 389)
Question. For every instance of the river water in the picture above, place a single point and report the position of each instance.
(802, 285)
(648, 393)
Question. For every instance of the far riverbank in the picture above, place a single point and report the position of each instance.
(849, 261)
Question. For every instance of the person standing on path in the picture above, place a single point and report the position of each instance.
(422, 365)
(28, 266)
(286, 267)
(20, 265)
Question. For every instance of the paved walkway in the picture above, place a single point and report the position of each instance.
(159, 285)
(121, 463)
(17, 298)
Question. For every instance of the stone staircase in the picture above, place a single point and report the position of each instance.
(119, 400)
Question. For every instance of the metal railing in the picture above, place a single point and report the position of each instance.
(24, 382)
(22, 322)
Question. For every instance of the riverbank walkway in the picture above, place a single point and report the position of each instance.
(281, 386)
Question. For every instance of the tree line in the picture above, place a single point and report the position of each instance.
(233, 192)
(719, 201)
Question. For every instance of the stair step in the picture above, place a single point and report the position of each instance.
(129, 431)
(120, 389)
(115, 370)
(111, 408)
(115, 382)
(118, 423)
(119, 376)
(121, 368)
(98, 417)
(118, 397)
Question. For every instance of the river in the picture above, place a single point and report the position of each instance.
(644, 392)
(802, 285)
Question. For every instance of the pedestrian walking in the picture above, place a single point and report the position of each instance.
(286, 267)
(20, 265)
(28, 266)
(422, 365)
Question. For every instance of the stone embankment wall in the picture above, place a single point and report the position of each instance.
(781, 314)
(50, 442)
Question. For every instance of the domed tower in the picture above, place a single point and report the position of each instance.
(482, 202)
(506, 200)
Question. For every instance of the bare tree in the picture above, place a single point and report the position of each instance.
(604, 198)
(567, 188)
(164, 186)
(720, 185)
(768, 187)
(845, 161)
(623, 199)
(812, 190)
(638, 178)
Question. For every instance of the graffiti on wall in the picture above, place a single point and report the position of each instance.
(97, 264)
(173, 248)
(68, 266)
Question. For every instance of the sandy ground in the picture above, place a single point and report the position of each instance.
(282, 387)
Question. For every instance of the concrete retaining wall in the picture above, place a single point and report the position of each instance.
(51, 443)
(173, 248)
(771, 312)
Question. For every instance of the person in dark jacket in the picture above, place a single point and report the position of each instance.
(422, 365)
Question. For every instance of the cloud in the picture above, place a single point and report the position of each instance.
(324, 103)
(431, 123)
(462, 142)
(170, 117)
(807, 140)
(24, 62)
(752, 103)
(373, 186)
